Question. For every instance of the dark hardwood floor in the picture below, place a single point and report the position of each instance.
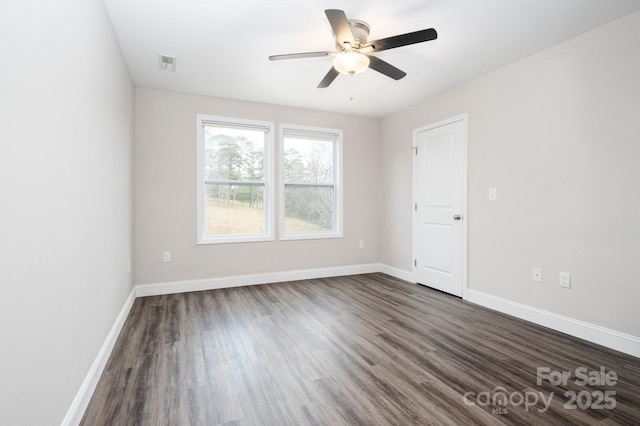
(358, 350)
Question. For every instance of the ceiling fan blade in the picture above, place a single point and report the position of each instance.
(340, 25)
(385, 68)
(328, 79)
(298, 55)
(403, 39)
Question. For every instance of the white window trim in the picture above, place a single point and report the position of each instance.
(269, 174)
(338, 217)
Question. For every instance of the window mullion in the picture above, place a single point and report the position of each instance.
(234, 182)
(319, 185)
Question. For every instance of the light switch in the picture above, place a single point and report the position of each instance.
(493, 195)
(565, 279)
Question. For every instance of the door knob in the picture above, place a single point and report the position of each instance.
(457, 217)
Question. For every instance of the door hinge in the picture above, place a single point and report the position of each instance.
(415, 207)
(415, 262)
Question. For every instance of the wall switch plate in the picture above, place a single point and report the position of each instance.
(565, 279)
(166, 256)
(536, 275)
(493, 194)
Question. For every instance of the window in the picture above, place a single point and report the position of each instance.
(235, 190)
(310, 193)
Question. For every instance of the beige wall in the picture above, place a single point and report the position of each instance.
(66, 131)
(165, 188)
(558, 135)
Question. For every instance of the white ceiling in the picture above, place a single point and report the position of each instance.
(222, 46)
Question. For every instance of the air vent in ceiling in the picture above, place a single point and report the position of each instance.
(167, 63)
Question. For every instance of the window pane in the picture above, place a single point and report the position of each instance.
(308, 208)
(308, 161)
(233, 154)
(234, 210)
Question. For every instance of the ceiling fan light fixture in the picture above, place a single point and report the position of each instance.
(352, 45)
(351, 62)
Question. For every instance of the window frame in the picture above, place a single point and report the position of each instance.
(269, 181)
(337, 231)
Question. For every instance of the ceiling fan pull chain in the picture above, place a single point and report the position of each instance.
(351, 88)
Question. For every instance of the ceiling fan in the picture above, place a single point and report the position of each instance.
(353, 49)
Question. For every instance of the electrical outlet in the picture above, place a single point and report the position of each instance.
(565, 279)
(536, 274)
(361, 244)
(166, 256)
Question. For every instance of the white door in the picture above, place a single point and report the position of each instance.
(439, 194)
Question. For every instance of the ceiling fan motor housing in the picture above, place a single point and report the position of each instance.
(360, 31)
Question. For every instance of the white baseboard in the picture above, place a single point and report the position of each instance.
(397, 273)
(593, 333)
(81, 401)
(158, 289)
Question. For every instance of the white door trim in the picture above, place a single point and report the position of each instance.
(464, 119)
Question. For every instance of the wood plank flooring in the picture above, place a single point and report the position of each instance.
(358, 350)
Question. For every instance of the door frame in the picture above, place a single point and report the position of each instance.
(414, 146)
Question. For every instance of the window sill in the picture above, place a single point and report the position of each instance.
(311, 236)
(234, 240)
